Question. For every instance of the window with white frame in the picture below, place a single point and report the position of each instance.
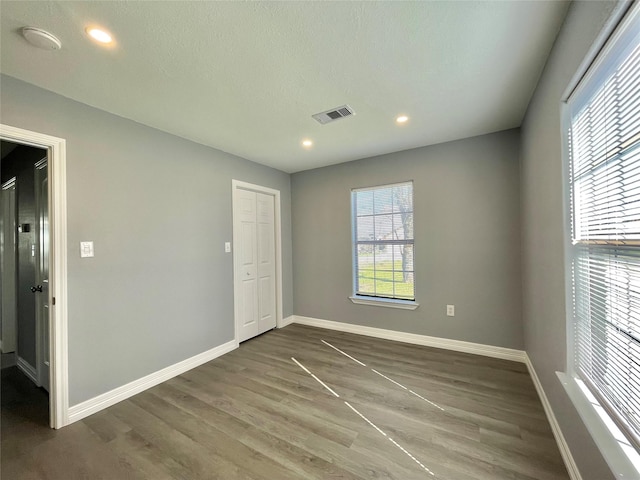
(383, 241)
(603, 140)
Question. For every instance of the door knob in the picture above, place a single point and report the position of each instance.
(37, 288)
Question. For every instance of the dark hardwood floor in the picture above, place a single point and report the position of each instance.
(409, 412)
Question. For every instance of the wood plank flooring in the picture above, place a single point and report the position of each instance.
(411, 413)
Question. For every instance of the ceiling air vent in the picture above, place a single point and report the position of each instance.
(334, 114)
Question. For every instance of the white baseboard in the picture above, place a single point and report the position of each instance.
(94, 405)
(414, 338)
(287, 321)
(28, 370)
(569, 462)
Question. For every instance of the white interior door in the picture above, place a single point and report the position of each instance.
(247, 265)
(255, 262)
(266, 261)
(8, 311)
(41, 289)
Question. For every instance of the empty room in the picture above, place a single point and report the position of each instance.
(320, 240)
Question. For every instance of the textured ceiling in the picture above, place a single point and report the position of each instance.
(245, 77)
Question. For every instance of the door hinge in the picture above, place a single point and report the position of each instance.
(53, 300)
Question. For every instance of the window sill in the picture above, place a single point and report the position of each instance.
(620, 455)
(384, 302)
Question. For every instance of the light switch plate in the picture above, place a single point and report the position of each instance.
(227, 247)
(86, 249)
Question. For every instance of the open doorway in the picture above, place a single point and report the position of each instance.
(24, 304)
(39, 234)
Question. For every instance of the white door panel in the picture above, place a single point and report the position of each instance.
(247, 205)
(249, 317)
(265, 298)
(248, 264)
(42, 274)
(255, 255)
(248, 235)
(266, 260)
(246, 284)
(265, 247)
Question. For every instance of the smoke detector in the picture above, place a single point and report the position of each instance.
(41, 38)
(334, 114)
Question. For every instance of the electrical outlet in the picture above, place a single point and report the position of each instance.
(451, 311)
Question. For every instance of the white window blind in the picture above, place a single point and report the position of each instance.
(383, 241)
(604, 156)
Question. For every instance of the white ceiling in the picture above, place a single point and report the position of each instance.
(245, 77)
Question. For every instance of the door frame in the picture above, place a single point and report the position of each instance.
(240, 185)
(57, 174)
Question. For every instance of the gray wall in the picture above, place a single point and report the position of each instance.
(543, 227)
(158, 207)
(467, 240)
(20, 164)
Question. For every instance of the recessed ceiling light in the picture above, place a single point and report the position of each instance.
(99, 35)
(307, 143)
(402, 119)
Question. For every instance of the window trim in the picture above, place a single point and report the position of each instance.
(620, 455)
(374, 300)
(385, 302)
